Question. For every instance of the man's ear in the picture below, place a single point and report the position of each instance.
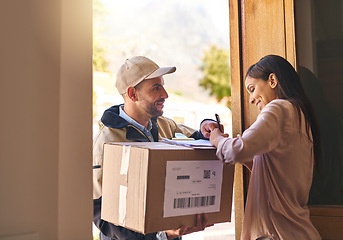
(132, 94)
(273, 82)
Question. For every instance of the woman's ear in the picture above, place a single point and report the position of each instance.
(272, 80)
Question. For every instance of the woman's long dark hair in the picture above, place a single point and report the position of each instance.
(289, 87)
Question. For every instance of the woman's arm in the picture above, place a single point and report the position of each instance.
(261, 137)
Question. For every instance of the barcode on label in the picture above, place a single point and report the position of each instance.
(207, 174)
(192, 202)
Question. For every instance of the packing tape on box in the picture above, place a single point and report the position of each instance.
(122, 205)
(125, 160)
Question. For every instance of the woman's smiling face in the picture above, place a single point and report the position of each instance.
(261, 92)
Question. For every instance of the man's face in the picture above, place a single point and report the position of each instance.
(151, 96)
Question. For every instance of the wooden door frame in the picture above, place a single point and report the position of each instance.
(237, 108)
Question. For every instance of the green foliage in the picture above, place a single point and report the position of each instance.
(99, 62)
(178, 92)
(99, 44)
(216, 70)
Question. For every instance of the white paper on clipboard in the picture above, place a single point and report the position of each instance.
(196, 144)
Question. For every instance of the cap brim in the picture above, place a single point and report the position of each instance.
(160, 72)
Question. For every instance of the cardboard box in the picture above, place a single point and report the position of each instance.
(156, 186)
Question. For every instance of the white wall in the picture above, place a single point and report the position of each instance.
(46, 119)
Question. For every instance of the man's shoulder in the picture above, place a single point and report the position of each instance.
(167, 123)
(162, 121)
(163, 118)
(108, 134)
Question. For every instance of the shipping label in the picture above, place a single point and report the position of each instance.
(192, 187)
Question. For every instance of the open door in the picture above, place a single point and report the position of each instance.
(262, 27)
(257, 28)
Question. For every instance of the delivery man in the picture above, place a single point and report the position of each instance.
(140, 81)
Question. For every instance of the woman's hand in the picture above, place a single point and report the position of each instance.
(207, 127)
(216, 136)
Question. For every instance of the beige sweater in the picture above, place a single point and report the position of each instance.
(281, 176)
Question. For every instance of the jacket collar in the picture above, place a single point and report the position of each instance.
(111, 119)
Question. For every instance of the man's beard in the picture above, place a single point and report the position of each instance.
(154, 111)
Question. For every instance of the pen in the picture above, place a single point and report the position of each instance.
(218, 122)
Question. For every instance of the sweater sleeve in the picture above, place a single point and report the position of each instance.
(261, 137)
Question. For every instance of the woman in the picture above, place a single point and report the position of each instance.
(279, 148)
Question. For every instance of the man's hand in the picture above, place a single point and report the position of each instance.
(201, 225)
(208, 126)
